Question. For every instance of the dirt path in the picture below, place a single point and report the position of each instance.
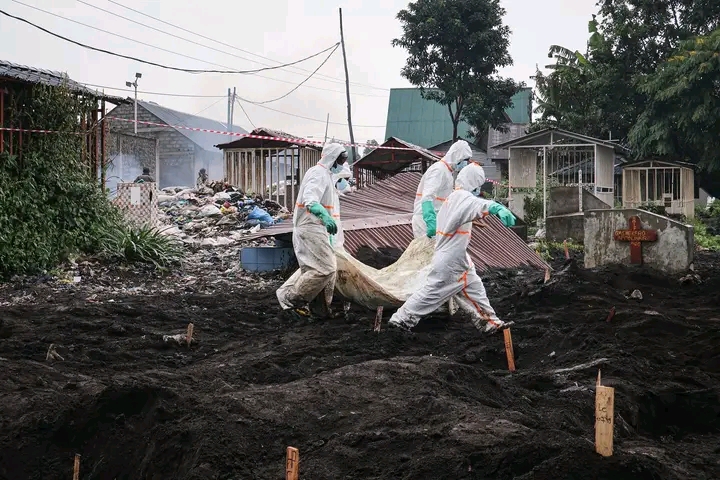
(360, 405)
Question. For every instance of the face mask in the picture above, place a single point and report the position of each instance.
(477, 192)
(342, 185)
(462, 165)
(336, 168)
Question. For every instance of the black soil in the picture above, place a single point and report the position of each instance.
(439, 404)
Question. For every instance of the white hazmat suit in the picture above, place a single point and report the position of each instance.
(453, 272)
(311, 240)
(341, 188)
(437, 184)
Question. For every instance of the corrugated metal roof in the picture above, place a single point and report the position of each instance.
(380, 215)
(395, 160)
(426, 122)
(204, 140)
(543, 137)
(50, 78)
(248, 142)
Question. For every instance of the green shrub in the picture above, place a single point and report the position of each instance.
(51, 204)
(703, 238)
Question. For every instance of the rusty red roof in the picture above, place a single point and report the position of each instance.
(380, 215)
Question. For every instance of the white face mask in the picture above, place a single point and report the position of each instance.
(341, 184)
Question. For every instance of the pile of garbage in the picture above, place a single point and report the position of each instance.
(216, 214)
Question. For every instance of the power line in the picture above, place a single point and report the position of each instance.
(187, 95)
(198, 43)
(298, 85)
(155, 64)
(246, 114)
(225, 96)
(147, 45)
(186, 39)
(232, 46)
(316, 119)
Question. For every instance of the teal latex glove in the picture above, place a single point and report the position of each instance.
(327, 220)
(505, 215)
(429, 216)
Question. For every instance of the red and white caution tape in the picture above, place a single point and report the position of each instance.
(30, 130)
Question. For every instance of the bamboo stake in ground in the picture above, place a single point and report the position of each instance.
(292, 464)
(547, 275)
(189, 334)
(76, 468)
(604, 419)
(509, 352)
(567, 252)
(378, 319)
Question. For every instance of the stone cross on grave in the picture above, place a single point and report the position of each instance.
(635, 235)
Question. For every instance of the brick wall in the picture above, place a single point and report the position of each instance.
(177, 152)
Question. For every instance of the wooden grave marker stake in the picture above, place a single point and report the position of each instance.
(604, 418)
(76, 467)
(292, 464)
(509, 352)
(567, 252)
(189, 334)
(378, 319)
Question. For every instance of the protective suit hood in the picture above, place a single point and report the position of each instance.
(470, 177)
(330, 153)
(458, 152)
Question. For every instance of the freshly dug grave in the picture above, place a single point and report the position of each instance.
(439, 404)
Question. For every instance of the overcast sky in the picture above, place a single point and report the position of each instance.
(279, 30)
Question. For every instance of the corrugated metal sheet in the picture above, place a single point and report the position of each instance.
(380, 216)
(204, 140)
(50, 78)
(385, 160)
(427, 123)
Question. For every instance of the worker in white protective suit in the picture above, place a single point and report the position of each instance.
(452, 271)
(313, 226)
(435, 186)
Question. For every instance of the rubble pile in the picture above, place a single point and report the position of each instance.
(217, 214)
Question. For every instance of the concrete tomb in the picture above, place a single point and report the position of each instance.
(637, 237)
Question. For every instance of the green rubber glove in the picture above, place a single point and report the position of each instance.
(505, 215)
(327, 220)
(429, 216)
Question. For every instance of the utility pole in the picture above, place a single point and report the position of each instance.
(135, 84)
(347, 90)
(229, 110)
(232, 111)
(327, 124)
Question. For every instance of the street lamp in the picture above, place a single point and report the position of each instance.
(134, 84)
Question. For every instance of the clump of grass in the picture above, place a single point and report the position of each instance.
(131, 244)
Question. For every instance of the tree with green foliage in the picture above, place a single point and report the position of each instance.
(600, 94)
(51, 206)
(681, 120)
(455, 48)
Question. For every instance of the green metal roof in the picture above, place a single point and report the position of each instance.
(427, 123)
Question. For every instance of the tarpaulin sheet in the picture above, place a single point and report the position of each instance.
(390, 286)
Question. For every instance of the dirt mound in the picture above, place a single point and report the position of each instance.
(438, 404)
